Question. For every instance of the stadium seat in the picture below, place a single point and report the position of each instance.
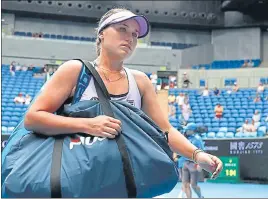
(220, 135)
(229, 135)
(261, 131)
(223, 129)
(211, 135)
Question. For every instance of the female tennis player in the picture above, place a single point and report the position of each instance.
(117, 35)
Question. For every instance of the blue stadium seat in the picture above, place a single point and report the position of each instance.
(232, 124)
(220, 135)
(261, 131)
(223, 129)
(4, 123)
(59, 36)
(5, 118)
(211, 135)
(223, 124)
(229, 135)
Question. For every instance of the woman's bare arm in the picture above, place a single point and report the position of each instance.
(40, 117)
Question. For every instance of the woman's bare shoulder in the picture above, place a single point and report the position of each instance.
(71, 65)
(142, 80)
(139, 75)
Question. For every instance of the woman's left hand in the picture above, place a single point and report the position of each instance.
(209, 163)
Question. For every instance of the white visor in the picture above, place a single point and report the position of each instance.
(125, 15)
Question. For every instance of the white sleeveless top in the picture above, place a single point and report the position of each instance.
(132, 96)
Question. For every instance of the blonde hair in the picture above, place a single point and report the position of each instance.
(103, 18)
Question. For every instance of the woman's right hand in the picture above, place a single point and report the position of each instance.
(103, 126)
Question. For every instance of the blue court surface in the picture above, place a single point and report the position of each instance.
(220, 190)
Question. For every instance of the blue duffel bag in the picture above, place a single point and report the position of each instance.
(137, 163)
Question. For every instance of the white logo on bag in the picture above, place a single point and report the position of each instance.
(85, 141)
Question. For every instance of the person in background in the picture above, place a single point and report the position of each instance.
(28, 99)
(216, 91)
(253, 126)
(245, 64)
(24, 67)
(153, 78)
(235, 87)
(171, 105)
(260, 88)
(180, 99)
(250, 63)
(218, 111)
(229, 90)
(186, 110)
(205, 92)
(247, 127)
(257, 99)
(18, 67)
(19, 99)
(256, 116)
(12, 68)
(185, 80)
(31, 67)
(190, 170)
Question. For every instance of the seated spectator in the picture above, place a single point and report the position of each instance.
(229, 90)
(40, 35)
(245, 64)
(257, 98)
(19, 99)
(31, 67)
(171, 105)
(216, 91)
(254, 126)
(18, 67)
(28, 99)
(171, 99)
(248, 127)
(186, 110)
(24, 67)
(260, 88)
(205, 92)
(12, 68)
(218, 111)
(180, 99)
(186, 98)
(236, 87)
(250, 63)
(256, 116)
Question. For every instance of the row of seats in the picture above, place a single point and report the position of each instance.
(54, 36)
(223, 64)
(173, 45)
(226, 132)
(93, 39)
